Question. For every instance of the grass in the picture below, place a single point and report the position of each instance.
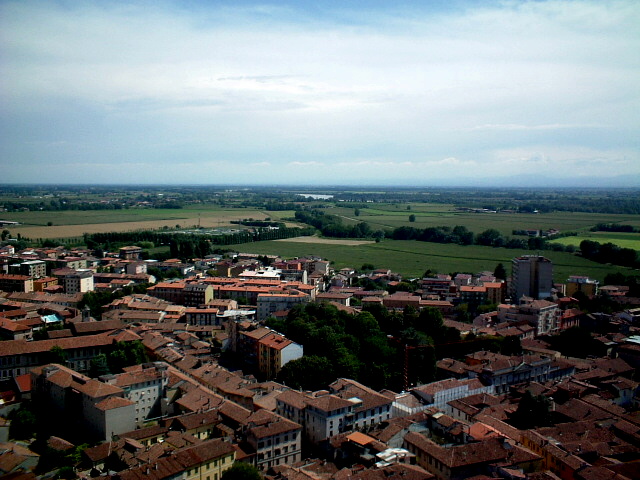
(434, 215)
(412, 258)
(81, 217)
(75, 223)
(624, 240)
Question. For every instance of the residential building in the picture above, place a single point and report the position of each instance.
(170, 291)
(15, 283)
(496, 292)
(370, 407)
(31, 268)
(470, 460)
(145, 385)
(323, 414)
(41, 284)
(543, 315)
(501, 371)
(438, 394)
(204, 461)
(274, 352)
(80, 281)
(202, 316)
(271, 303)
(584, 285)
(327, 415)
(18, 357)
(472, 295)
(531, 276)
(96, 408)
(197, 294)
(275, 440)
(130, 253)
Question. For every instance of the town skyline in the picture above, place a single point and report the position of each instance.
(448, 94)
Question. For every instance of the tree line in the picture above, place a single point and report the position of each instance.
(190, 245)
(332, 226)
(615, 227)
(609, 253)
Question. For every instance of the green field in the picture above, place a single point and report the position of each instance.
(412, 258)
(83, 217)
(436, 215)
(624, 240)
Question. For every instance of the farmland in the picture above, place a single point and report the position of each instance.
(412, 258)
(624, 240)
(68, 212)
(436, 215)
(74, 223)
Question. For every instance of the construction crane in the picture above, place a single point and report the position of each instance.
(405, 368)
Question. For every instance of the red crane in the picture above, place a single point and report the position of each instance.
(405, 369)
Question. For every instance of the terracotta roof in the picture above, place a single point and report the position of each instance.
(275, 341)
(267, 424)
(360, 438)
(114, 402)
(293, 398)
(20, 347)
(328, 403)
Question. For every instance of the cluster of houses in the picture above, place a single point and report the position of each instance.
(185, 415)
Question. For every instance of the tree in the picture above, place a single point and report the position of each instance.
(491, 238)
(356, 212)
(307, 373)
(23, 423)
(241, 471)
(99, 366)
(533, 411)
(500, 272)
(412, 218)
(511, 346)
(57, 355)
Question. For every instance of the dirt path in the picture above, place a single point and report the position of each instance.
(327, 241)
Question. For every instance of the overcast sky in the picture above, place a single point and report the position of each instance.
(333, 92)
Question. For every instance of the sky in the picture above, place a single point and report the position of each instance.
(429, 93)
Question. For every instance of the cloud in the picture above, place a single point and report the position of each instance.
(386, 88)
(555, 126)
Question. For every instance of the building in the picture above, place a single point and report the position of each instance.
(438, 394)
(275, 440)
(145, 385)
(496, 292)
(80, 281)
(170, 291)
(16, 283)
(130, 253)
(531, 276)
(274, 352)
(31, 268)
(18, 357)
(350, 406)
(41, 284)
(197, 294)
(471, 460)
(98, 409)
(274, 302)
(370, 407)
(584, 285)
(204, 461)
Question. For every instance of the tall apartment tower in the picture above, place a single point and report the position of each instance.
(531, 276)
